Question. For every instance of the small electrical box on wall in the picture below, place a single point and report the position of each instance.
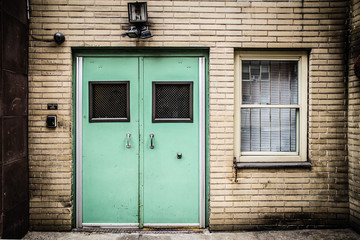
(51, 121)
(52, 106)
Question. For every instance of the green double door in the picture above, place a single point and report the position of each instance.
(140, 141)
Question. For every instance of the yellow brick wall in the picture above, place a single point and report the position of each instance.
(282, 198)
(354, 118)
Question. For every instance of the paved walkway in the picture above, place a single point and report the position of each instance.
(328, 234)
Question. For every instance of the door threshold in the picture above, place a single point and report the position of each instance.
(145, 230)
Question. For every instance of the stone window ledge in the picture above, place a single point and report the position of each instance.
(244, 165)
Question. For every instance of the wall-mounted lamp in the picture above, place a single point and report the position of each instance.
(138, 18)
(59, 38)
(137, 12)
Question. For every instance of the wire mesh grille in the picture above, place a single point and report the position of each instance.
(173, 101)
(109, 100)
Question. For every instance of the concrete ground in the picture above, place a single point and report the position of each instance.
(327, 234)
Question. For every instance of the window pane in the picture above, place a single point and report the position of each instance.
(265, 130)
(270, 82)
(172, 101)
(255, 70)
(255, 130)
(265, 70)
(284, 83)
(274, 82)
(275, 130)
(109, 101)
(255, 82)
(265, 82)
(245, 70)
(293, 130)
(294, 83)
(285, 130)
(245, 129)
(246, 92)
(268, 130)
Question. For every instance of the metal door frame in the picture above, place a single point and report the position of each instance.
(202, 150)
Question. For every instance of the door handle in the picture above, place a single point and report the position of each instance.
(128, 145)
(151, 141)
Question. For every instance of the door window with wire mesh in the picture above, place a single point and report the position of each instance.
(172, 102)
(272, 108)
(109, 101)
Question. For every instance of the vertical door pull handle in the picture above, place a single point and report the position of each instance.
(128, 145)
(151, 141)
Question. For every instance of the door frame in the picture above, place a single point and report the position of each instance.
(78, 68)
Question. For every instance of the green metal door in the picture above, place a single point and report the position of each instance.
(140, 141)
(109, 168)
(171, 114)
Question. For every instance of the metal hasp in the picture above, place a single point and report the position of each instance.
(128, 145)
(151, 141)
(179, 155)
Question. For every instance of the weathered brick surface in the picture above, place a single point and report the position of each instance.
(282, 198)
(354, 118)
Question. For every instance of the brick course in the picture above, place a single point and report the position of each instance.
(262, 198)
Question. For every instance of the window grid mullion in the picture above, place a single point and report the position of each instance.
(260, 83)
(260, 129)
(251, 87)
(279, 82)
(270, 99)
(251, 100)
(250, 130)
(289, 110)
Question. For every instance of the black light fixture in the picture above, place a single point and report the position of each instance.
(59, 38)
(138, 18)
(145, 33)
(137, 12)
(133, 32)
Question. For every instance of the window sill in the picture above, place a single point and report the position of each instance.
(244, 165)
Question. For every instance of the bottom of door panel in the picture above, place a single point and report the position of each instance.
(111, 225)
(171, 225)
(136, 225)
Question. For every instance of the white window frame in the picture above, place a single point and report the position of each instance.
(272, 157)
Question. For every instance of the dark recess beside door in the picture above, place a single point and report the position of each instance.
(14, 200)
